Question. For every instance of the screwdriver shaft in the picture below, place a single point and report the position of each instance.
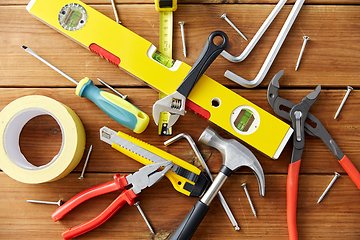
(49, 64)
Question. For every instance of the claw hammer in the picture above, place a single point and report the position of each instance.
(235, 155)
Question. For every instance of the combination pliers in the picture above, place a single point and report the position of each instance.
(298, 114)
(134, 184)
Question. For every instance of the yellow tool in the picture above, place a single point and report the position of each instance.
(166, 9)
(184, 177)
(140, 58)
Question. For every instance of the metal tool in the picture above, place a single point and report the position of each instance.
(207, 170)
(166, 9)
(349, 89)
(273, 52)
(281, 107)
(235, 155)
(329, 186)
(137, 204)
(185, 177)
(181, 23)
(133, 185)
(112, 89)
(85, 164)
(233, 26)
(115, 12)
(115, 107)
(59, 203)
(257, 36)
(175, 102)
(306, 38)
(249, 199)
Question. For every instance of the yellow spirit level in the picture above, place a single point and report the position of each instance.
(140, 58)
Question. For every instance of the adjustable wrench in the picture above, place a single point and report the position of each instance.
(175, 102)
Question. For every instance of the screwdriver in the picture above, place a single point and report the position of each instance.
(115, 107)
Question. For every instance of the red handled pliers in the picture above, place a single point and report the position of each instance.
(145, 177)
(298, 114)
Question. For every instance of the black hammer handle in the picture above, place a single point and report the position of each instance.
(187, 228)
(206, 57)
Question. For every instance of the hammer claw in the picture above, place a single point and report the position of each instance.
(235, 155)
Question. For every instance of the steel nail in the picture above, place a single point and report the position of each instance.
(85, 164)
(249, 199)
(59, 203)
(349, 89)
(115, 12)
(306, 38)
(137, 204)
(233, 26)
(183, 36)
(329, 186)
(112, 89)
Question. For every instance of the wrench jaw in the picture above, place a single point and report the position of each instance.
(173, 103)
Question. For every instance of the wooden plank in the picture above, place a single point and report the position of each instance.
(320, 2)
(329, 59)
(317, 158)
(339, 210)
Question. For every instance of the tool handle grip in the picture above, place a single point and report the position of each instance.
(127, 196)
(191, 222)
(291, 191)
(351, 170)
(119, 183)
(208, 54)
(114, 106)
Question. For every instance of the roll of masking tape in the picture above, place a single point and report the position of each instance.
(14, 117)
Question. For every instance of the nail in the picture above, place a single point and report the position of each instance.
(112, 89)
(86, 162)
(59, 203)
(231, 24)
(115, 12)
(248, 197)
(306, 38)
(349, 89)
(183, 36)
(329, 186)
(137, 204)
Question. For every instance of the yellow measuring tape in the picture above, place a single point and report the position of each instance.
(166, 9)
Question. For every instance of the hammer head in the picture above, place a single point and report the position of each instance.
(234, 154)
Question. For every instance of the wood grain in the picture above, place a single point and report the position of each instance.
(331, 59)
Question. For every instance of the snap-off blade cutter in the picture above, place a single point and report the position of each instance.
(298, 114)
(175, 102)
(145, 177)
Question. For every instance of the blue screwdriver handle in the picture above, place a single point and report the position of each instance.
(115, 107)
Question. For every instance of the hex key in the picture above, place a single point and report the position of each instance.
(257, 36)
(273, 52)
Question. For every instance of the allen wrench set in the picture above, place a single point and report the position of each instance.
(274, 50)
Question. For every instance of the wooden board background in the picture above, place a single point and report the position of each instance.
(331, 58)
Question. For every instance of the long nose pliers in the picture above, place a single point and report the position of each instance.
(134, 184)
(298, 114)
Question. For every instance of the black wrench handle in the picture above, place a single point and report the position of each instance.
(187, 228)
(206, 57)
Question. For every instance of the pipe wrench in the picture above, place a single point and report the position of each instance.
(298, 114)
(175, 102)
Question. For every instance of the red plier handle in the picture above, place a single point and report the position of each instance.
(126, 196)
(291, 194)
(350, 170)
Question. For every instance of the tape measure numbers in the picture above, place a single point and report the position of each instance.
(166, 8)
(166, 33)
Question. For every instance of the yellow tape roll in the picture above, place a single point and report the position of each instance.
(14, 117)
